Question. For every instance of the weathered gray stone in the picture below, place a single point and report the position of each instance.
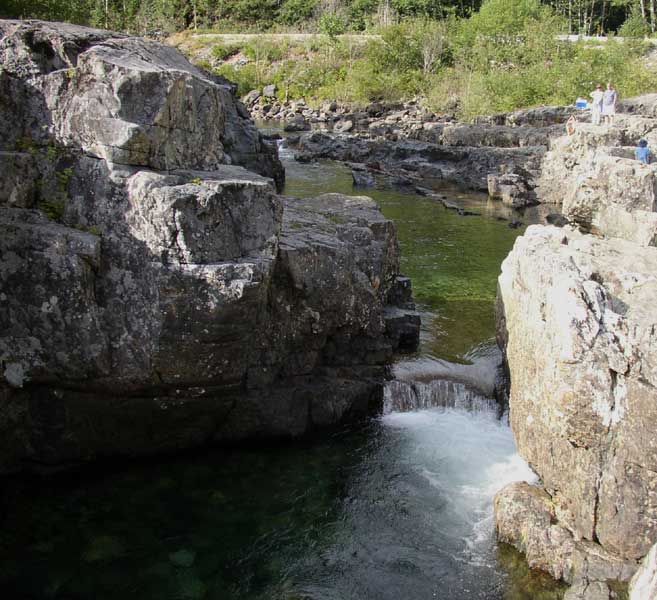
(600, 191)
(227, 214)
(512, 189)
(578, 322)
(344, 126)
(645, 105)
(49, 317)
(125, 100)
(18, 179)
(526, 517)
(161, 298)
(297, 123)
(361, 176)
(251, 97)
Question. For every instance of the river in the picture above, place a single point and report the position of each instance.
(397, 508)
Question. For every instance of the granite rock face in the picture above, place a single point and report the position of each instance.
(154, 293)
(600, 186)
(577, 321)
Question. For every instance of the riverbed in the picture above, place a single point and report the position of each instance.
(399, 507)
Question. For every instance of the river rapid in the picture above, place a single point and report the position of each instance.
(397, 508)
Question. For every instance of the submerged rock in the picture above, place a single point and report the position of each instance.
(512, 189)
(155, 293)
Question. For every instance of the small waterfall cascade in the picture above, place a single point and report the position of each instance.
(406, 396)
(431, 383)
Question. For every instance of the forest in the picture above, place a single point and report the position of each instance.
(588, 17)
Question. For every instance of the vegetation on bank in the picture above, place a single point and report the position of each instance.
(505, 56)
(579, 16)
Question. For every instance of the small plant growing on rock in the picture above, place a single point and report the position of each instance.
(196, 180)
(63, 177)
(52, 152)
(53, 208)
(26, 144)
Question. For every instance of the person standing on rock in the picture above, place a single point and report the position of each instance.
(642, 152)
(609, 99)
(596, 105)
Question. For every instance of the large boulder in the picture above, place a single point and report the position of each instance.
(156, 294)
(599, 185)
(122, 99)
(577, 321)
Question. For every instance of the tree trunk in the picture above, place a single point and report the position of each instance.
(652, 16)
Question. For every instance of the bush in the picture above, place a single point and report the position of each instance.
(331, 24)
(222, 52)
(245, 77)
(634, 26)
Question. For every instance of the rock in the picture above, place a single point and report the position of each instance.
(645, 105)
(343, 126)
(576, 316)
(512, 189)
(496, 136)
(361, 176)
(602, 193)
(644, 583)
(269, 91)
(526, 517)
(375, 109)
(556, 219)
(155, 296)
(18, 178)
(297, 123)
(130, 102)
(543, 116)
(252, 97)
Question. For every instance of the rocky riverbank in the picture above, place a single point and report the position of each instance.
(410, 146)
(520, 157)
(157, 293)
(577, 322)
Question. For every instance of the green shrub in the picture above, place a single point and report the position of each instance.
(222, 52)
(53, 208)
(245, 77)
(331, 24)
(634, 26)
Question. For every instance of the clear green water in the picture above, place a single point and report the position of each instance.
(397, 508)
(453, 260)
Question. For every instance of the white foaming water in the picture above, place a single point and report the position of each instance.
(467, 457)
(285, 153)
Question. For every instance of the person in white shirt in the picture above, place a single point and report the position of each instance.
(596, 104)
(609, 100)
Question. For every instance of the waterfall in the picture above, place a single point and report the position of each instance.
(405, 396)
